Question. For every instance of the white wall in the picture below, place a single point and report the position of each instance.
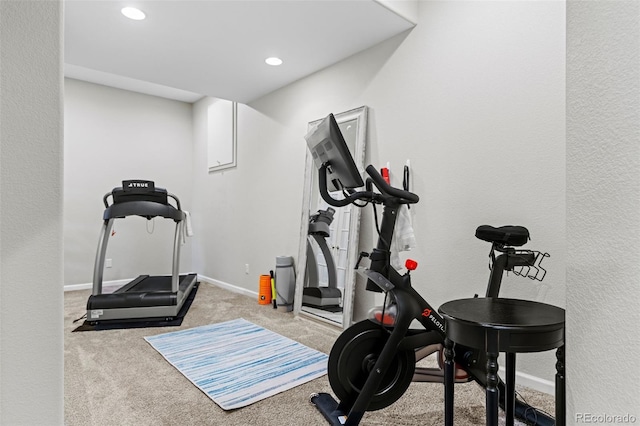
(474, 96)
(247, 213)
(112, 135)
(603, 208)
(31, 349)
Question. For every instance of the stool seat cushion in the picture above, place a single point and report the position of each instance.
(519, 325)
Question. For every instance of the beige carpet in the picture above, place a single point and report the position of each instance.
(116, 378)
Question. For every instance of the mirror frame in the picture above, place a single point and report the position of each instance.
(359, 114)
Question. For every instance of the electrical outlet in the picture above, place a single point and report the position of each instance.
(108, 263)
(246, 268)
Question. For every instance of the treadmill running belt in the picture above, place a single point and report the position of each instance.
(143, 322)
(153, 284)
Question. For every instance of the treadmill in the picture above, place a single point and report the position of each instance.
(146, 297)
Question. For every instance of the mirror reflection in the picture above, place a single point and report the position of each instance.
(329, 238)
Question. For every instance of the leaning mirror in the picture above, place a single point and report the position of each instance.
(328, 248)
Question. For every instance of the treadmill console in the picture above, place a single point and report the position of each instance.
(138, 185)
(139, 190)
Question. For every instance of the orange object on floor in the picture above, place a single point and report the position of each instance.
(264, 292)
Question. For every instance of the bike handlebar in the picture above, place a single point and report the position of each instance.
(388, 192)
(324, 192)
(406, 196)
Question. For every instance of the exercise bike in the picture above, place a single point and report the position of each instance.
(373, 362)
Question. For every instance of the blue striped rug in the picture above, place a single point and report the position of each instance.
(237, 363)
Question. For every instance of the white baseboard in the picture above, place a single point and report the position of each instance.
(227, 286)
(532, 382)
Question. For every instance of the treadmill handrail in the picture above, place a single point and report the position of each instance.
(106, 196)
(104, 199)
(175, 198)
(146, 209)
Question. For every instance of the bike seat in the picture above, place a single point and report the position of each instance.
(506, 235)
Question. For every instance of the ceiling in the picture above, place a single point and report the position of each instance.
(186, 49)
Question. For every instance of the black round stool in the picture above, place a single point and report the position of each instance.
(497, 325)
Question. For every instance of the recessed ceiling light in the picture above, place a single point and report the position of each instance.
(273, 61)
(133, 13)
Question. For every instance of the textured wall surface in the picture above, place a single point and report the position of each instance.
(31, 354)
(603, 208)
